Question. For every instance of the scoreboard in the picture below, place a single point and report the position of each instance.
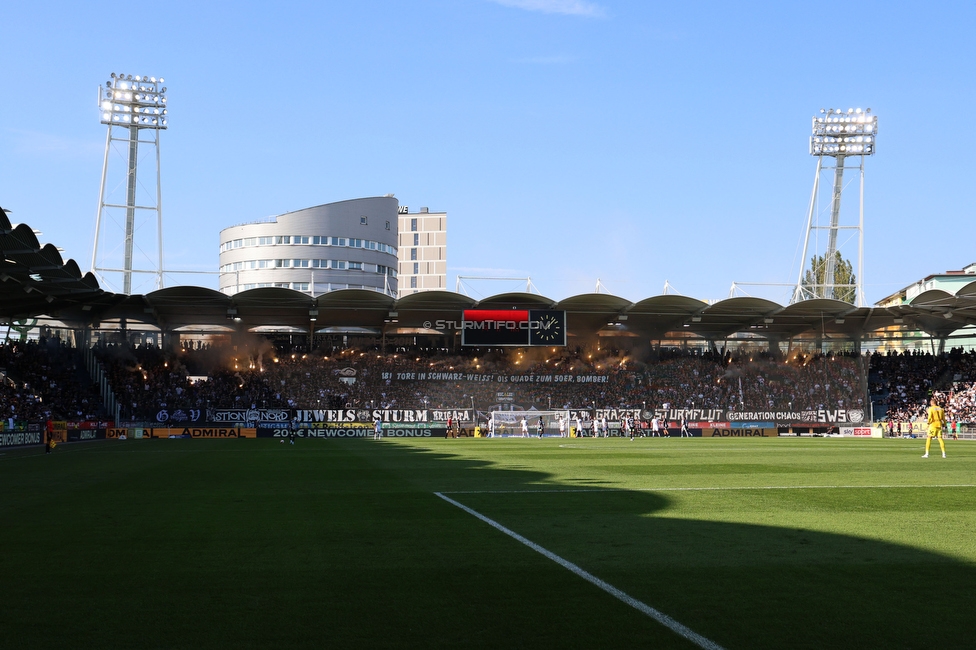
(513, 327)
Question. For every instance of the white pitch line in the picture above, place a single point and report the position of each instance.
(640, 606)
(713, 489)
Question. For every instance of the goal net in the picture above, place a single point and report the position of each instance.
(554, 423)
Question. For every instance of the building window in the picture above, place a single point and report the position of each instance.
(362, 221)
(413, 225)
(416, 239)
(413, 253)
(413, 283)
(416, 267)
(387, 225)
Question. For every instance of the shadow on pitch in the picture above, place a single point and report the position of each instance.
(742, 585)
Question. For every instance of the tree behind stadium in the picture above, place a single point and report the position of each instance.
(814, 279)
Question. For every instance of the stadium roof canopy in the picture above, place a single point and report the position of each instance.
(35, 281)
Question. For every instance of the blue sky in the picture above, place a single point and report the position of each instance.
(568, 140)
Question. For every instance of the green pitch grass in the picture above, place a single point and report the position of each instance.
(752, 543)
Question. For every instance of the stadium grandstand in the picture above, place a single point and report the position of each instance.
(78, 358)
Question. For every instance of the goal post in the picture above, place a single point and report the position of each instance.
(509, 424)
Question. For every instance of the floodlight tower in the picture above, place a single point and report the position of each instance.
(839, 135)
(132, 105)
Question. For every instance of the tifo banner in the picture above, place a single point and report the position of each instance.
(495, 378)
(461, 415)
(242, 416)
(250, 418)
(811, 417)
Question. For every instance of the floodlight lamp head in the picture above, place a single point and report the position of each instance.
(125, 100)
(850, 133)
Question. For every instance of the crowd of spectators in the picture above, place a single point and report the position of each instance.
(904, 383)
(146, 379)
(44, 379)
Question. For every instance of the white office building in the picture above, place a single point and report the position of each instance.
(344, 245)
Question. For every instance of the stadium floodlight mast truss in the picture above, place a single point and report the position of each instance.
(132, 105)
(839, 135)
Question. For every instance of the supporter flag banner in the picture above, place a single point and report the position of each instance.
(462, 415)
(513, 327)
(498, 378)
(240, 416)
(698, 418)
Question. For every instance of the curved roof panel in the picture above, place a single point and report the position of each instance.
(355, 299)
(419, 310)
(816, 307)
(435, 301)
(588, 313)
(604, 303)
(932, 298)
(668, 304)
(516, 300)
(967, 291)
(35, 281)
(743, 305)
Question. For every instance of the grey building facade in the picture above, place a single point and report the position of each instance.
(344, 245)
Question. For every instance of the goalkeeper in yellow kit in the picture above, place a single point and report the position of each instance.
(936, 423)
